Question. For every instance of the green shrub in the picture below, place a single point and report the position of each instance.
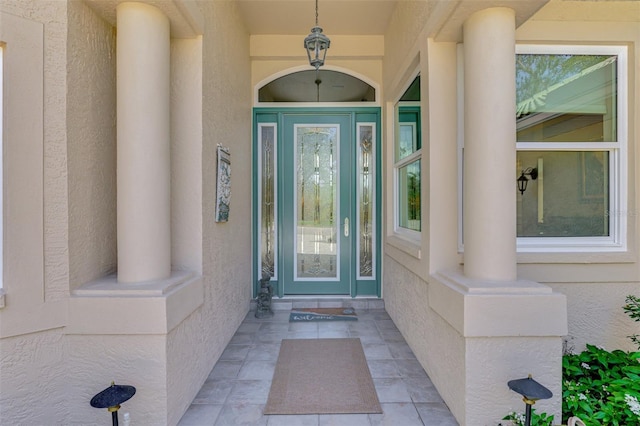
(632, 308)
(537, 419)
(601, 387)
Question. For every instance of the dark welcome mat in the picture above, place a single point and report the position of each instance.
(323, 314)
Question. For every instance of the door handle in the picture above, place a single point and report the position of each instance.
(346, 226)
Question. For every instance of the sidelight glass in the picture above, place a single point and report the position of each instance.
(366, 200)
(267, 194)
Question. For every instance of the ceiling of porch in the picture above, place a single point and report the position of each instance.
(336, 17)
(366, 17)
(291, 17)
(371, 17)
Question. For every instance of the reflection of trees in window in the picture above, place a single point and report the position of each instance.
(414, 195)
(537, 73)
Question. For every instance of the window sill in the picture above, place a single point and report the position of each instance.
(412, 248)
(576, 257)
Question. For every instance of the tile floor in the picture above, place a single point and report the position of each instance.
(236, 390)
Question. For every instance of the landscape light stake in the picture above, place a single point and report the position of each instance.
(111, 398)
(531, 391)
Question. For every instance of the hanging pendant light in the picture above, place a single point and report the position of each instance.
(316, 44)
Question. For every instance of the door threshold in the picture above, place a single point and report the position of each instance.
(288, 303)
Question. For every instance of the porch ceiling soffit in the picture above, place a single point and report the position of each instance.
(296, 17)
(367, 17)
(185, 17)
(450, 29)
(591, 11)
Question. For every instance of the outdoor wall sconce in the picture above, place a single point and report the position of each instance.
(523, 181)
(531, 391)
(316, 45)
(111, 398)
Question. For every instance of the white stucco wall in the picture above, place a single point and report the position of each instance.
(93, 362)
(227, 121)
(186, 154)
(436, 344)
(195, 345)
(48, 377)
(32, 346)
(91, 145)
(32, 371)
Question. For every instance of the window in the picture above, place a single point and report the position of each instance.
(407, 162)
(571, 148)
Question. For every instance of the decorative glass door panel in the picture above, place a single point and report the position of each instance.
(316, 204)
(366, 200)
(316, 210)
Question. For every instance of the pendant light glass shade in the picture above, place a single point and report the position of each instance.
(316, 44)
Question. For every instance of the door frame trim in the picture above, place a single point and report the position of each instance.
(362, 114)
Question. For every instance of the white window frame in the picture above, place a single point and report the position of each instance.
(405, 233)
(617, 239)
(618, 175)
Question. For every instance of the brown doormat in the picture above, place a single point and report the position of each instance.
(323, 314)
(322, 376)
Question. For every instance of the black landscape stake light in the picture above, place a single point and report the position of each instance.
(531, 391)
(111, 398)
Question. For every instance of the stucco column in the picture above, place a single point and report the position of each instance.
(143, 67)
(489, 145)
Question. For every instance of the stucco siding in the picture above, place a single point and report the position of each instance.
(227, 122)
(33, 379)
(96, 361)
(596, 316)
(196, 344)
(492, 362)
(402, 35)
(437, 345)
(56, 266)
(91, 145)
(32, 369)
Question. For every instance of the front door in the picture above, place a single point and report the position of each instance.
(317, 204)
(317, 223)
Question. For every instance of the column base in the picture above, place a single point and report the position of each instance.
(105, 306)
(505, 331)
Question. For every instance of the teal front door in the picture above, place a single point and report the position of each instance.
(317, 228)
(317, 204)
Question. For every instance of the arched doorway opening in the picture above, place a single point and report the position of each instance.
(322, 86)
(317, 181)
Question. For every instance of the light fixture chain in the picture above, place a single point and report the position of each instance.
(316, 13)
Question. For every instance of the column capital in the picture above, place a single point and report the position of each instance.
(185, 16)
